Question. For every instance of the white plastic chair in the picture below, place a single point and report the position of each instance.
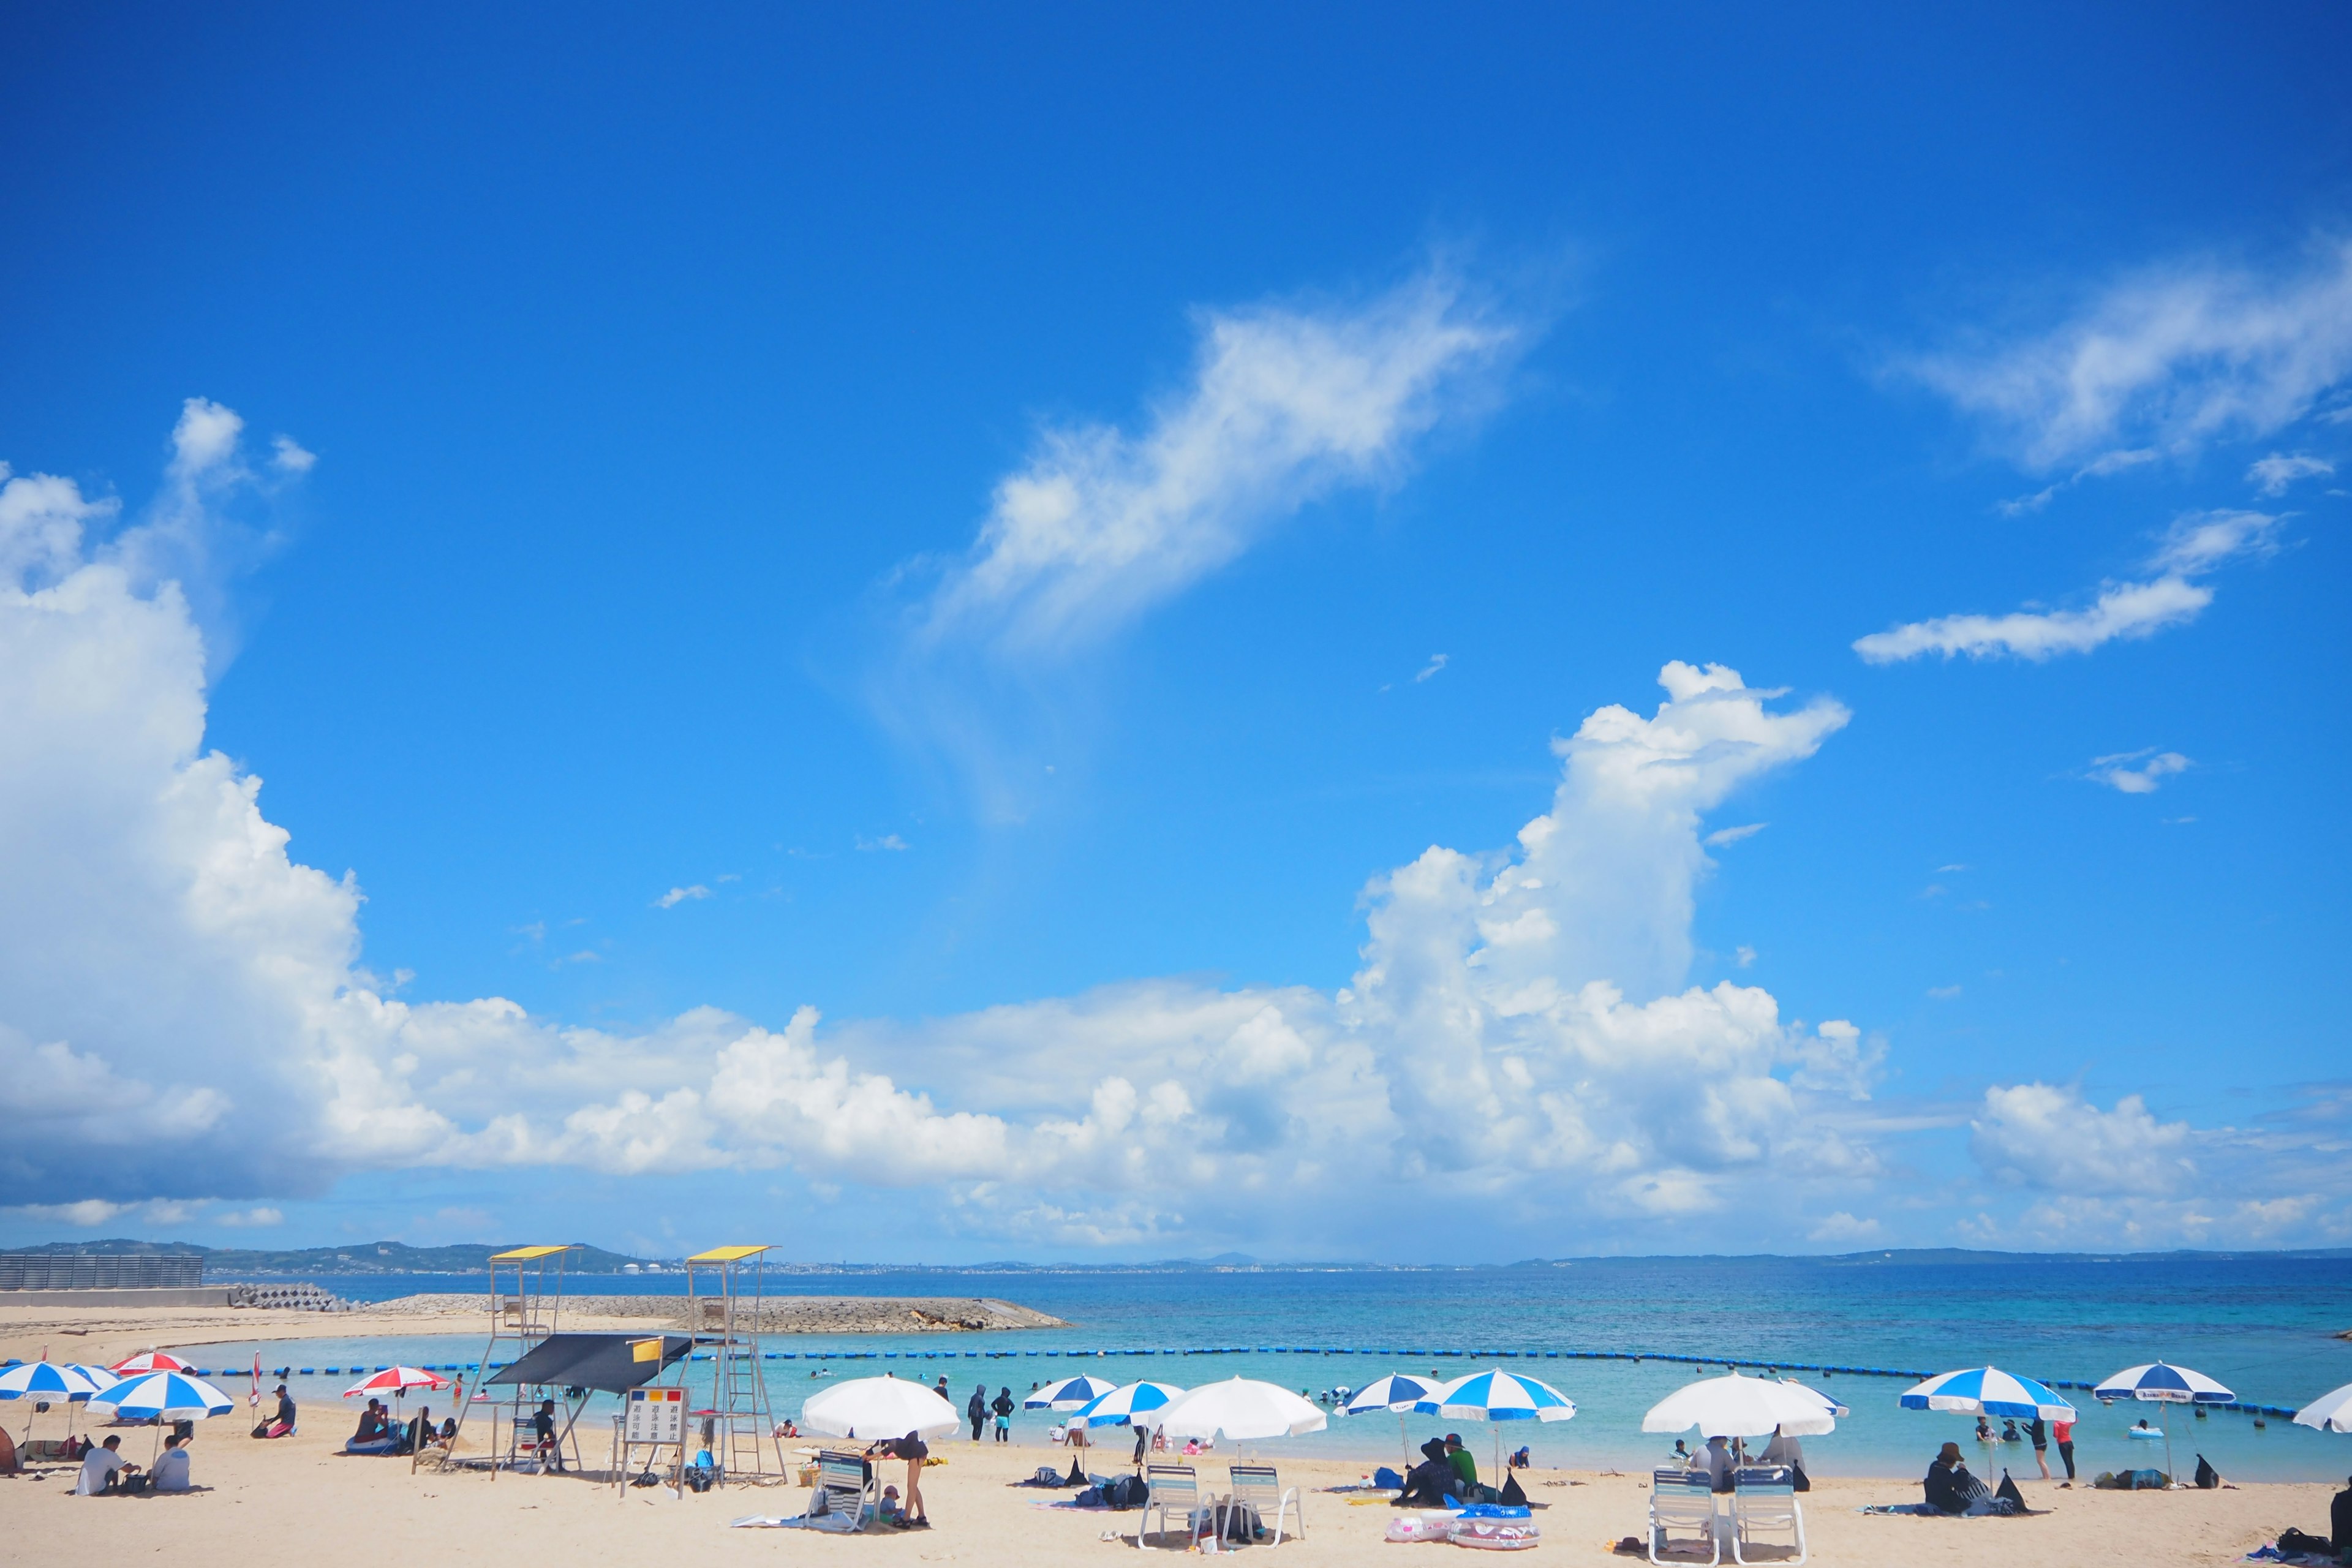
(1683, 1499)
(1764, 1497)
(1174, 1488)
(1259, 1490)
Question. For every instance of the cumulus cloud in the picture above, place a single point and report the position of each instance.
(2118, 772)
(2051, 1139)
(2170, 359)
(183, 1015)
(2197, 543)
(1285, 404)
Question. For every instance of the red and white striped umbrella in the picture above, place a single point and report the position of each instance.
(150, 1361)
(395, 1380)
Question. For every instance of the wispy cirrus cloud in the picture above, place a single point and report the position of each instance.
(2119, 772)
(1285, 404)
(2274, 474)
(2166, 361)
(2197, 543)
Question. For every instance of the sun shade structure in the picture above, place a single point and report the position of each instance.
(1070, 1393)
(150, 1361)
(730, 1254)
(2331, 1411)
(1988, 1391)
(1242, 1408)
(1133, 1404)
(1737, 1407)
(2161, 1384)
(875, 1407)
(609, 1364)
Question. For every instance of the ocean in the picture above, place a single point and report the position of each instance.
(2265, 1326)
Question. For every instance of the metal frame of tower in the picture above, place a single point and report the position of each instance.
(525, 1314)
(743, 1428)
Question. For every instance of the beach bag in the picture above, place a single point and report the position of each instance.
(1384, 1477)
(1127, 1491)
(1046, 1476)
(2208, 1478)
(2010, 1494)
(2295, 1544)
(1091, 1498)
(1798, 1480)
(1511, 1492)
(2149, 1480)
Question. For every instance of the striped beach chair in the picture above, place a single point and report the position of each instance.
(1174, 1489)
(1764, 1497)
(848, 1491)
(1683, 1499)
(1257, 1489)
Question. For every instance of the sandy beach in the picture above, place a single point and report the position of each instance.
(298, 1500)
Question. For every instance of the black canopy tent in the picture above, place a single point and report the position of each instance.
(606, 1363)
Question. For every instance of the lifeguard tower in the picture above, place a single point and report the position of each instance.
(526, 1301)
(724, 1289)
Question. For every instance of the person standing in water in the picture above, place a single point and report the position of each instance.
(2064, 1432)
(977, 1409)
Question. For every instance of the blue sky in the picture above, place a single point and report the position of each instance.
(1028, 528)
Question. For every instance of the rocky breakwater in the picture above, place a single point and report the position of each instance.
(777, 1314)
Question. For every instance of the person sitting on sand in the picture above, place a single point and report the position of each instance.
(420, 1433)
(102, 1469)
(371, 1423)
(172, 1466)
(1466, 1467)
(1428, 1483)
(376, 1435)
(1951, 1488)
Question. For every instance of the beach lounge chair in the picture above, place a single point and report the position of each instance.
(1764, 1497)
(1175, 1488)
(1683, 1499)
(1257, 1489)
(847, 1492)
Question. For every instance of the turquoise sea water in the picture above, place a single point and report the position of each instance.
(2264, 1326)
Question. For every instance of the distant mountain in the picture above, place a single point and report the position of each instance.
(365, 1257)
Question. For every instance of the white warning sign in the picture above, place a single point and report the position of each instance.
(655, 1416)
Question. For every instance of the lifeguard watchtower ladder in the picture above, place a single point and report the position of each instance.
(743, 1430)
(524, 1305)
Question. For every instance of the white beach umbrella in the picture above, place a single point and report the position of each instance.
(2331, 1411)
(879, 1407)
(1070, 1393)
(45, 1383)
(1135, 1403)
(1243, 1408)
(1738, 1406)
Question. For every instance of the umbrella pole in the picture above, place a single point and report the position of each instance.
(2164, 1420)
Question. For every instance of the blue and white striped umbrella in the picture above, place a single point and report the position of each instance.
(170, 1395)
(1399, 1392)
(1070, 1393)
(42, 1380)
(100, 1378)
(1123, 1403)
(1498, 1395)
(1989, 1391)
(2171, 1384)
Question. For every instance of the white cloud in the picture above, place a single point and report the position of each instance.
(1285, 404)
(888, 841)
(676, 896)
(2171, 359)
(1723, 835)
(2197, 543)
(1436, 662)
(1943, 993)
(287, 453)
(259, 1217)
(1844, 1227)
(2274, 475)
(2116, 772)
(2049, 1138)
(1744, 955)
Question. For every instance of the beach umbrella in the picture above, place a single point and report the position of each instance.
(2161, 1384)
(166, 1395)
(395, 1380)
(44, 1383)
(1243, 1408)
(879, 1407)
(100, 1378)
(1988, 1391)
(1496, 1395)
(149, 1361)
(1121, 1405)
(1738, 1406)
(1399, 1392)
(1070, 1393)
(2331, 1411)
